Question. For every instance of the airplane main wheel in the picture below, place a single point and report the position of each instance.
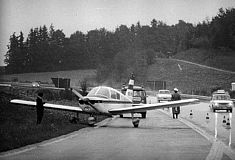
(91, 121)
(136, 122)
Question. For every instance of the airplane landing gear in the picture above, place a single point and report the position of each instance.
(91, 121)
(135, 121)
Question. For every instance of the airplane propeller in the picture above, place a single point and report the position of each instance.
(84, 100)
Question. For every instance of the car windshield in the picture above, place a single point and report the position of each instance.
(138, 93)
(221, 97)
(164, 92)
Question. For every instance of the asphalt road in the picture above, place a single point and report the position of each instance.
(158, 137)
(210, 122)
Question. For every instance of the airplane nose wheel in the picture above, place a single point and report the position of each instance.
(135, 122)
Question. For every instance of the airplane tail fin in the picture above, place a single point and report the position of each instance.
(129, 91)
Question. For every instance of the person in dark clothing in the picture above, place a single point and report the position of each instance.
(40, 108)
(175, 97)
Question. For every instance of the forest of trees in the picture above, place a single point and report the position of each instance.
(116, 53)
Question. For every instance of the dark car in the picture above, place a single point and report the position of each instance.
(139, 96)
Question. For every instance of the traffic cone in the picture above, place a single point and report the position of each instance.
(228, 124)
(207, 116)
(191, 113)
(224, 120)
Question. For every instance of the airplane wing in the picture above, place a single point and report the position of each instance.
(48, 105)
(144, 107)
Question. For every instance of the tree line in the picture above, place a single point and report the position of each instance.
(115, 53)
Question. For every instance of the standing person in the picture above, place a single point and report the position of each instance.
(39, 106)
(175, 97)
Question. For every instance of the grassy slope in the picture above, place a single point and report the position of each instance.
(75, 75)
(18, 126)
(18, 123)
(190, 78)
(214, 58)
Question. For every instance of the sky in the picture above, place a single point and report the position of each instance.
(85, 15)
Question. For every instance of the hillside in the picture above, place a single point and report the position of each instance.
(191, 79)
(214, 58)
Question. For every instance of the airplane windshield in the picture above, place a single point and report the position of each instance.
(100, 92)
(93, 92)
(104, 92)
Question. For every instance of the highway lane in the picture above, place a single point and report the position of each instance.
(158, 137)
(214, 125)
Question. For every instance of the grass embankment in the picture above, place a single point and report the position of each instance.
(18, 124)
(213, 58)
(191, 79)
(75, 76)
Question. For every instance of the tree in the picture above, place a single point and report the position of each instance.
(15, 57)
(222, 29)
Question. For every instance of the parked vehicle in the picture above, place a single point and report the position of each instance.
(35, 84)
(139, 96)
(221, 100)
(163, 95)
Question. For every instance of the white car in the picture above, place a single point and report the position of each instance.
(163, 95)
(220, 100)
(35, 84)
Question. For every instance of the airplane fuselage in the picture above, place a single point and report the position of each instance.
(103, 106)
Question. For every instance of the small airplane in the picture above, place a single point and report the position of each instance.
(109, 101)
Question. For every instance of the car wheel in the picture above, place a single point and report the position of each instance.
(121, 115)
(231, 110)
(143, 115)
(213, 110)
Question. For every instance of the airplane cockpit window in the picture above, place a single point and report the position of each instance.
(114, 95)
(103, 92)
